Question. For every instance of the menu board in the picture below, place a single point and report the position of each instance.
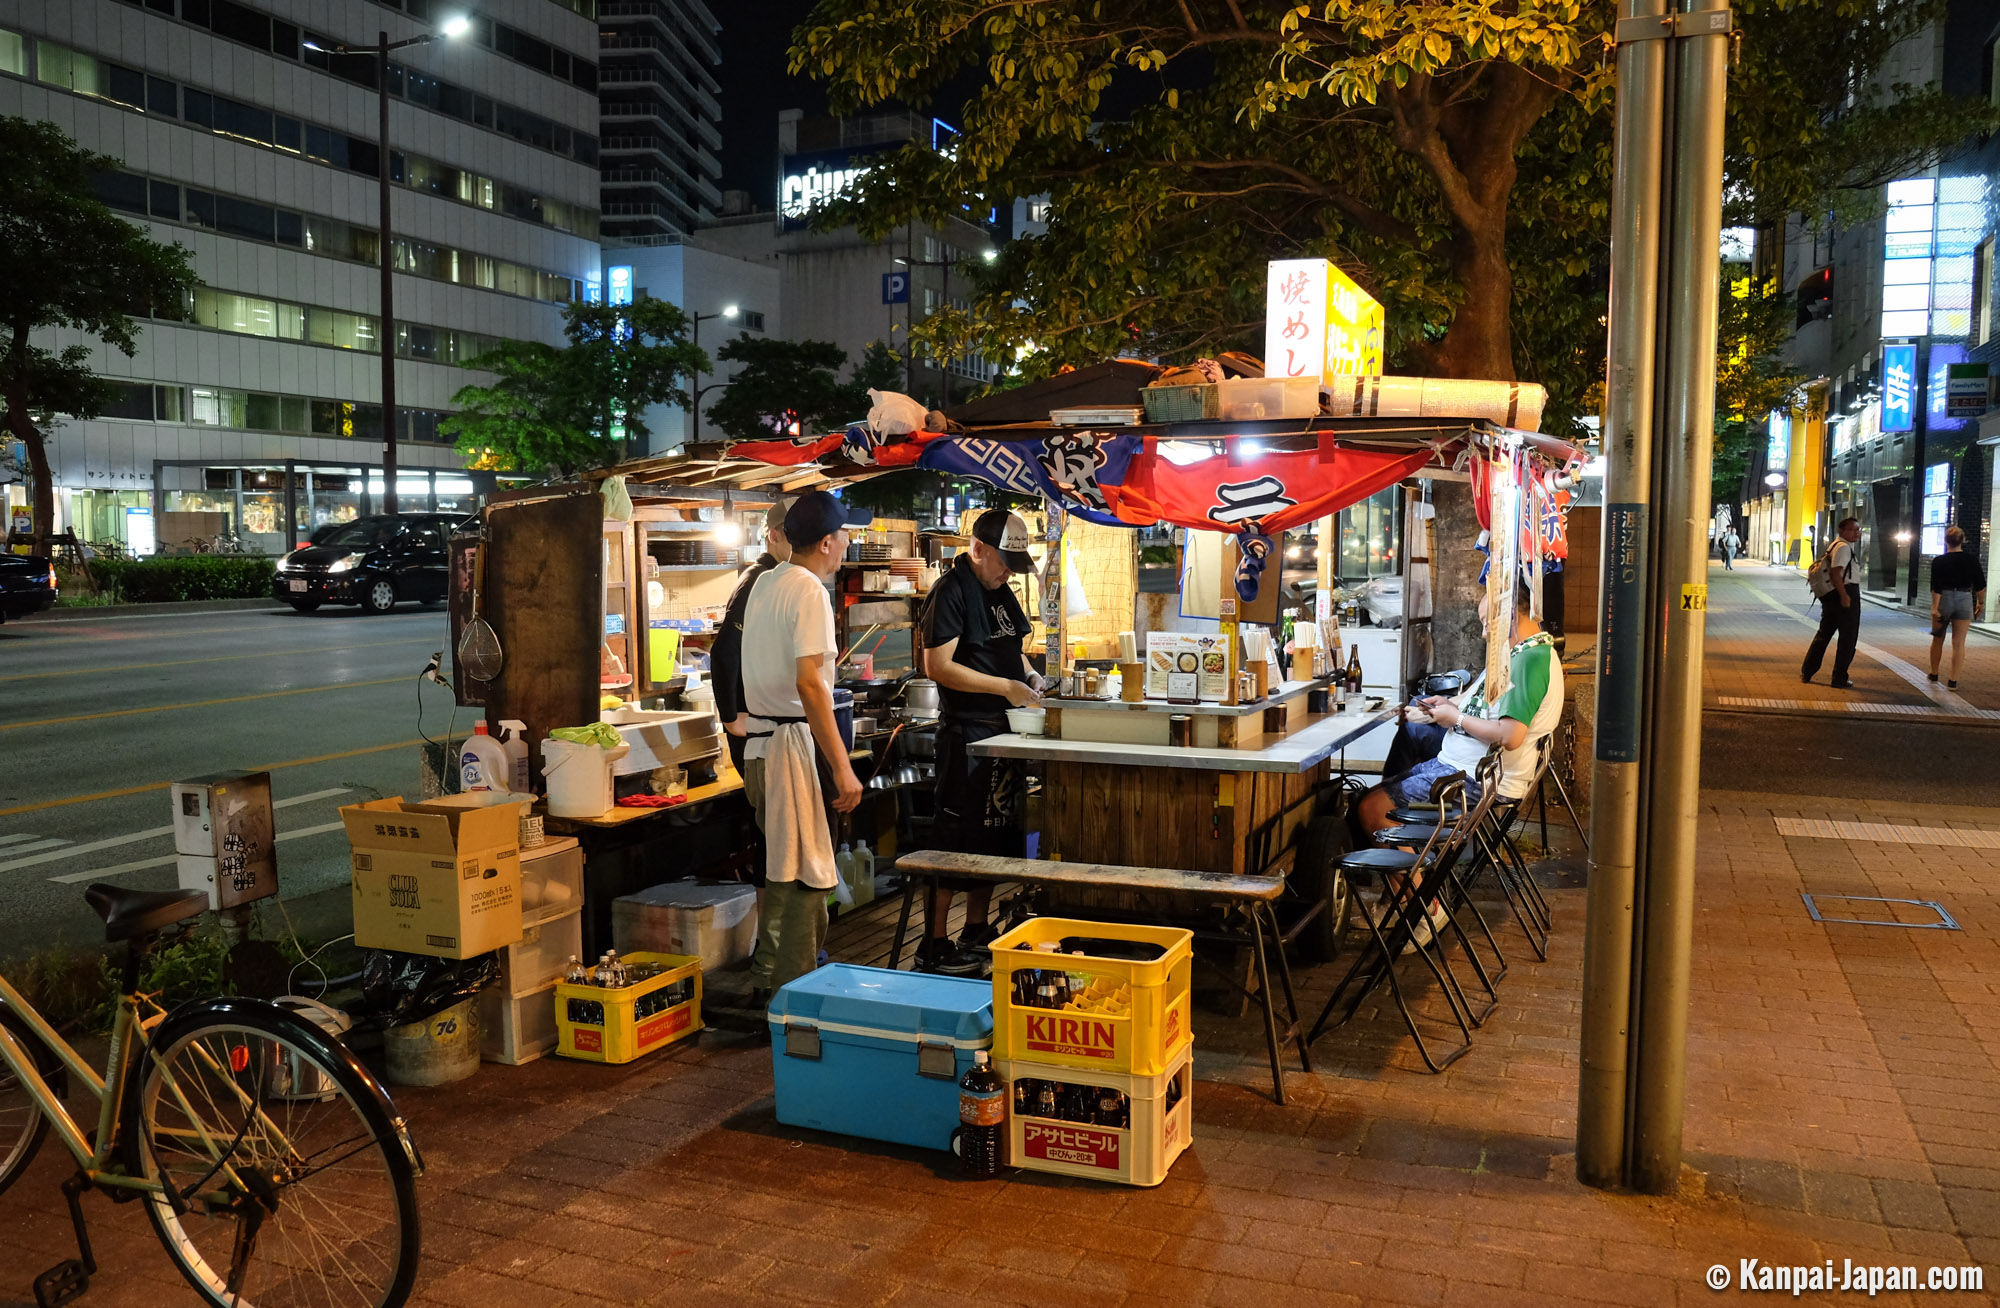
(1184, 666)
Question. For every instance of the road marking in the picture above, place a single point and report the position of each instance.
(205, 703)
(75, 851)
(220, 658)
(33, 844)
(162, 785)
(71, 878)
(15, 839)
(1889, 833)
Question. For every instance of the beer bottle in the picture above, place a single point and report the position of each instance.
(1045, 1101)
(1111, 1109)
(1354, 670)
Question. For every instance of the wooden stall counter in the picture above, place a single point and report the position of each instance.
(1204, 808)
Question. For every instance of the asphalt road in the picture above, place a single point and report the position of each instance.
(99, 715)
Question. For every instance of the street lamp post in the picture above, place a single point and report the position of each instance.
(694, 400)
(452, 28)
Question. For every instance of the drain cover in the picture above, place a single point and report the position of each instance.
(1920, 915)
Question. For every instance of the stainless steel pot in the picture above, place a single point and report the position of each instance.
(917, 744)
(920, 697)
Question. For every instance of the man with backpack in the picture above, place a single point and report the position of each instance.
(1836, 581)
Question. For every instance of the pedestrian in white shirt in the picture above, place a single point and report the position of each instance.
(788, 653)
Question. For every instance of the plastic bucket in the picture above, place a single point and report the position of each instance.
(442, 1048)
(578, 777)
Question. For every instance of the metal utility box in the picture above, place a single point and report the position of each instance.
(225, 837)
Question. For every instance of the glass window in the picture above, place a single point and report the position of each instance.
(290, 133)
(293, 413)
(243, 218)
(199, 108)
(13, 54)
(212, 406)
(292, 322)
(367, 420)
(330, 418)
(262, 412)
(125, 85)
(166, 201)
(167, 404)
(200, 208)
(128, 400)
(125, 191)
(291, 228)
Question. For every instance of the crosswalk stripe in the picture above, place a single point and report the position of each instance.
(98, 874)
(150, 833)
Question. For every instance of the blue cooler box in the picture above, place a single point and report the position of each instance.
(870, 1052)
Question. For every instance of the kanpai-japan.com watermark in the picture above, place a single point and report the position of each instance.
(1848, 1277)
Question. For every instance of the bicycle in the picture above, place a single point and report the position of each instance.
(271, 1163)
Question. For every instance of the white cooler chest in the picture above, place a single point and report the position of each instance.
(717, 924)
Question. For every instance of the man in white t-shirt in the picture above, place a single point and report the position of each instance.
(788, 653)
(1839, 610)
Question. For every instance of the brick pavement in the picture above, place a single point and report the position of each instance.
(1841, 1104)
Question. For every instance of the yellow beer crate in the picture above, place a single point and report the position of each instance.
(1119, 1015)
(616, 1025)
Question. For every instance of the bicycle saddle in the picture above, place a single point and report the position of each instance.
(129, 913)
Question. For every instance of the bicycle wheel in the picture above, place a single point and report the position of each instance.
(288, 1178)
(22, 1124)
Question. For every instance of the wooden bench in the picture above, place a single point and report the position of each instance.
(1251, 897)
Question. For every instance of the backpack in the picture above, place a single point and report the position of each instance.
(1820, 575)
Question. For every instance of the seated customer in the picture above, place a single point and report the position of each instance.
(1529, 711)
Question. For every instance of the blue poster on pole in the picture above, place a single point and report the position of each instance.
(1621, 634)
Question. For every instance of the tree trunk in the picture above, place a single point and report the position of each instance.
(43, 489)
(1480, 342)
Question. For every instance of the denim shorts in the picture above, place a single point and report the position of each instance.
(1414, 787)
(1954, 604)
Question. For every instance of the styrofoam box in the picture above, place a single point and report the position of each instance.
(517, 1029)
(1140, 1154)
(717, 924)
(551, 879)
(541, 955)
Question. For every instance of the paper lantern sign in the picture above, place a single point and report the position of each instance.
(1319, 323)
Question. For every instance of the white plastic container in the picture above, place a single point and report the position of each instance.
(514, 739)
(864, 874)
(578, 777)
(483, 762)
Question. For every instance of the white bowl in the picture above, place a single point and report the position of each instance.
(1026, 721)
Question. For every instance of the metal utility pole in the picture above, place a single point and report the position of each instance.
(388, 281)
(1660, 399)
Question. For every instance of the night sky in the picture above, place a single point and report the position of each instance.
(755, 87)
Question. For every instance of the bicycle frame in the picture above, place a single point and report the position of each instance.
(128, 1033)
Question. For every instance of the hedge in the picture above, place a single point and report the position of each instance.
(193, 577)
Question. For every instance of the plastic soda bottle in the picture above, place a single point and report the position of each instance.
(982, 1116)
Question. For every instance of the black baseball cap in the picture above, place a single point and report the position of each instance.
(1006, 533)
(812, 518)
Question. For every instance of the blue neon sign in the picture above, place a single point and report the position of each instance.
(1899, 383)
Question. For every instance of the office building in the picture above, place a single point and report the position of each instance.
(244, 134)
(660, 117)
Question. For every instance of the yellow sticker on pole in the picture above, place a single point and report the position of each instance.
(1694, 599)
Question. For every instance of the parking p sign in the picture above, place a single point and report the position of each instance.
(896, 288)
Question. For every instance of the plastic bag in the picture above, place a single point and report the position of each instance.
(892, 413)
(617, 500)
(397, 988)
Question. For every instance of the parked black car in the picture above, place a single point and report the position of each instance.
(373, 562)
(27, 585)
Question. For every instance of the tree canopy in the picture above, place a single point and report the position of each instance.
(555, 411)
(782, 383)
(67, 261)
(1455, 158)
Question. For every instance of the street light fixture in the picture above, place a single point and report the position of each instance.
(456, 26)
(694, 401)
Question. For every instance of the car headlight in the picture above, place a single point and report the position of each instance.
(347, 564)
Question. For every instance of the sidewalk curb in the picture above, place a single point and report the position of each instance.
(1837, 715)
(82, 612)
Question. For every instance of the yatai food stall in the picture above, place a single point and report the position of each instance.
(1200, 767)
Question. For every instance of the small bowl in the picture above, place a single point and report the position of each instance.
(1026, 721)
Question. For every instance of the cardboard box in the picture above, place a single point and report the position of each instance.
(440, 878)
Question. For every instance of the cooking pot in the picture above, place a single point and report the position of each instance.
(918, 744)
(920, 697)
